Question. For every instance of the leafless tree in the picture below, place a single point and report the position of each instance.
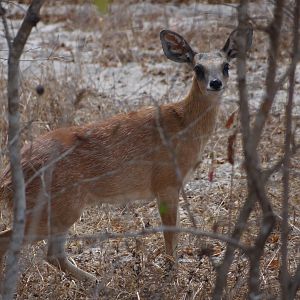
(257, 177)
(16, 45)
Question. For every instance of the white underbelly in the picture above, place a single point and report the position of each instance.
(122, 197)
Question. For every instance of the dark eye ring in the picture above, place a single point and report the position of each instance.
(200, 71)
(226, 69)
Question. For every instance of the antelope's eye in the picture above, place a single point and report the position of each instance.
(226, 69)
(200, 71)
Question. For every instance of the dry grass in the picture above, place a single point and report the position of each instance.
(136, 268)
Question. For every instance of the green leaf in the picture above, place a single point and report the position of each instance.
(162, 208)
(102, 5)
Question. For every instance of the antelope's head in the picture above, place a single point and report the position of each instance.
(211, 68)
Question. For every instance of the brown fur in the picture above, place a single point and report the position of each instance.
(145, 154)
(122, 156)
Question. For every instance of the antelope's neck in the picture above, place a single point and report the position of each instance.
(200, 111)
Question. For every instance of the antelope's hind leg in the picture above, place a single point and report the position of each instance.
(65, 212)
(57, 257)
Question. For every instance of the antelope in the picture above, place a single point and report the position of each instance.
(145, 154)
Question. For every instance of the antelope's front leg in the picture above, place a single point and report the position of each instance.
(167, 200)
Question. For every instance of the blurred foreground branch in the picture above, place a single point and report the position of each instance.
(16, 47)
(257, 177)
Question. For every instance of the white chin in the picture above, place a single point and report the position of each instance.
(215, 91)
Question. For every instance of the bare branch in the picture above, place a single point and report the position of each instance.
(238, 230)
(245, 122)
(16, 47)
(251, 138)
(144, 232)
(284, 276)
(274, 37)
(256, 252)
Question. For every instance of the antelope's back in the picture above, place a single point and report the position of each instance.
(116, 157)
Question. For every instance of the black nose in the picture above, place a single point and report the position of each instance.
(216, 84)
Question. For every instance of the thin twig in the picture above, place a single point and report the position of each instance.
(284, 273)
(196, 232)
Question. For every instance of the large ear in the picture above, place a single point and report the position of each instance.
(176, 47)
(231, 46)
